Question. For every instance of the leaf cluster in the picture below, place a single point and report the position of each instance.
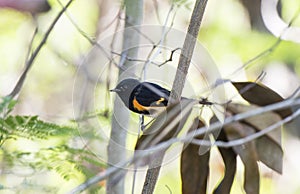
(195, 163)
(60, 156)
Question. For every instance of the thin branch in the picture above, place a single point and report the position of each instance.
(170, 58)
(122, 55)
(92, 41)
(100, 176)
(295, 94)
(155, 4)
(259, 56)
(31, 42)
(116, 18)
(164, 33)
(241, 141)
(169, 189)
(30, 61)
(109, 72)
(241, 116)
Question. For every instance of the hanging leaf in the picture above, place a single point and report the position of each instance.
(167, 125)
(194, 167)
(247, 153)
(207, 136)
(229, 159)
(261, 95)
(268, 146)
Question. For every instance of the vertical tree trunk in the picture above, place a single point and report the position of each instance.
(117, 143)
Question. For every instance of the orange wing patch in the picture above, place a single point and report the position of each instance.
(159, 101)
(138, 106)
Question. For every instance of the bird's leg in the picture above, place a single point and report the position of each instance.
(142, 122)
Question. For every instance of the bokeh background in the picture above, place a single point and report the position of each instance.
(70, 71)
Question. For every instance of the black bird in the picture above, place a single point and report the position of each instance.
(142, 97)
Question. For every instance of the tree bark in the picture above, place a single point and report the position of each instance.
(117, 144)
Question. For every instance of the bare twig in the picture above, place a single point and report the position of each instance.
(31, 41)
(241, 116)
(164, 33)
(259, 56)
(109, 72)
(295, 94)
(155, 4)
(92, 41)
(246, 139)
(170, 58)
(30, 61)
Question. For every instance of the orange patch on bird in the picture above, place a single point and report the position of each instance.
(138, 106)
(159, 101)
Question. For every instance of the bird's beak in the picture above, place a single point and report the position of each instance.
(114, 90)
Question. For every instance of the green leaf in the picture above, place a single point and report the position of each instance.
(7, 105)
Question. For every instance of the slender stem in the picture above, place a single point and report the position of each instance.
(249, 138)
(30, 61)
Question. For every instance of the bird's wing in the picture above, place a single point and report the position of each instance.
(150, 94)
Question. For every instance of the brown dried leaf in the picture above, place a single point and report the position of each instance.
(229, 158)
(261, 95)
(207, 136)
(259, 122)
(194, 167)
(269, 153)
(247, 153)
(268, 146)
(167, 125)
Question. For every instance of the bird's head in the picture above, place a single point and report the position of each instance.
(125, 88)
